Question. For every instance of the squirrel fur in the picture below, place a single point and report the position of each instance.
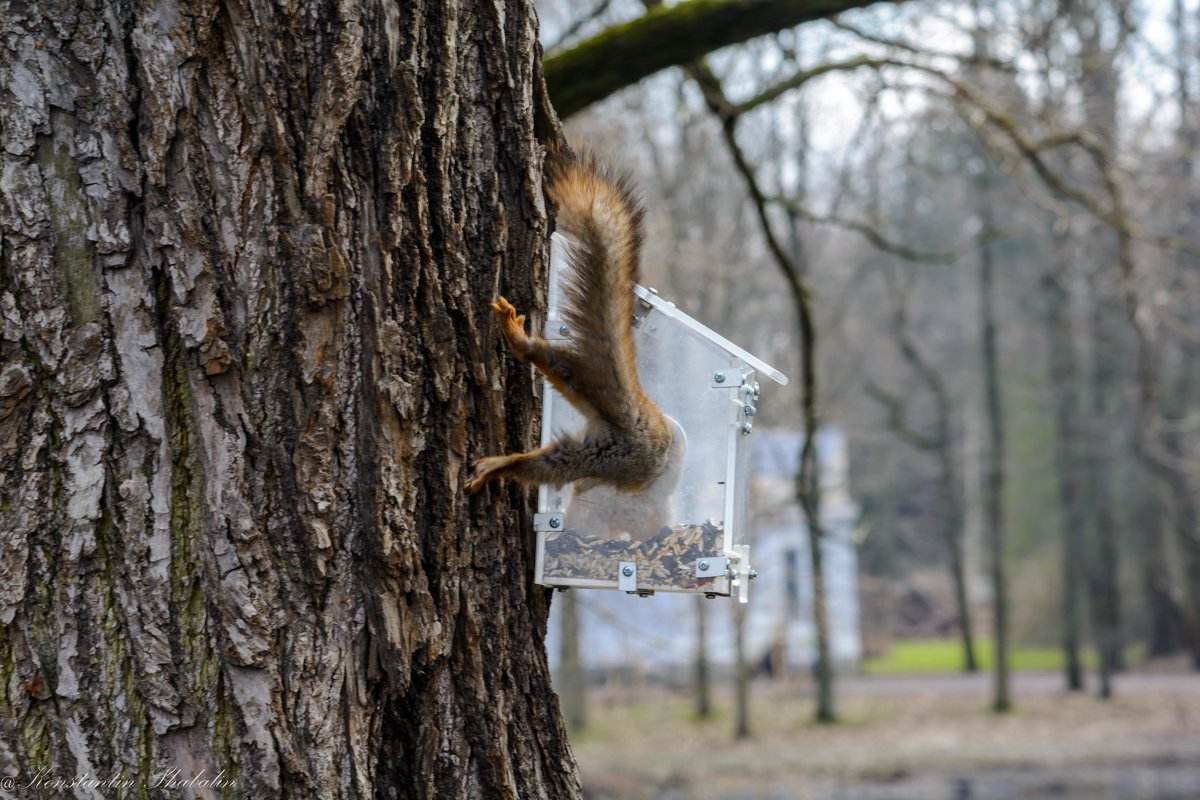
(627, 443)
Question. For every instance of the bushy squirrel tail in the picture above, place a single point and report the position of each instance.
(598, 211)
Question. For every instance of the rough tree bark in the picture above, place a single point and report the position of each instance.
(246, 256)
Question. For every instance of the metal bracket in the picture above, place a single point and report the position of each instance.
(711, 566)
(548, 522)
(627, 576)
(726, 378)
(743, 574)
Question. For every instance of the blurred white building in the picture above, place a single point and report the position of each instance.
(658, 634)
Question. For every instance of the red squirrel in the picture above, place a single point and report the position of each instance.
(628, 444)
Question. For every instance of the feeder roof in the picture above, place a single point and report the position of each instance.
(709, 334)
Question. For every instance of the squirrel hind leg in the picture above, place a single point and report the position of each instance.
(549, 464)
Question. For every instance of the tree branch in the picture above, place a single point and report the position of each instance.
(897, 418)
(576, 26)
(668, 36)
(882, 243)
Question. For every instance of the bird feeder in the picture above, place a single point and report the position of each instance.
(695, 542)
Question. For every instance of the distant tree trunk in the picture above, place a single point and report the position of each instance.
(1064, 387)
(246, 257)
(794, 264)
(1099, 86)
(955, 528)
(572, 675)
(1185, 492)
(1103, 580)
(741, 675)
(1166, 629)
(791, 263)
(703, 679)
(941, 443)
(994, 466)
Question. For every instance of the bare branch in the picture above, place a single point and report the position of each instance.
(974, 59)
(897, 418)
(578, 24)
(881, 242)
(668, 36)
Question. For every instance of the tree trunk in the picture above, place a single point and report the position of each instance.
(246, 260)
(1064, 386)
(1099, 86)
(1103, 581)
(994, 466)
(703, 678)
(1165, 634)
(572, 676)
(955, 529)
(741, 675)
(1181, 483)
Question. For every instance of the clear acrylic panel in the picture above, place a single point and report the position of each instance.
(695, 376)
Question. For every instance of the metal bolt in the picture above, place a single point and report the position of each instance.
(753, 574)
(749, 410)
(563, 330)
(702, 566)
(719, 377)
(555, 522)
(747, 427)
(757, 390)
(627, 571)
(731, 574)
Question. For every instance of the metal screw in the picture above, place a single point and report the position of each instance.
(749, 410)
(627, 571)
(719, 377)
(702, 566)
(753, 574)
(757, 390)
(563, 330)
(555, 522)
(747, 427)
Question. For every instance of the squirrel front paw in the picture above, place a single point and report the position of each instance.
(484, 470)
(512, 323)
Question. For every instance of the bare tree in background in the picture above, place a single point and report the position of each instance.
(573, 682)
(1069, 462)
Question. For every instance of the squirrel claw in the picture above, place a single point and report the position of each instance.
(507, 314)
(483, 471)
